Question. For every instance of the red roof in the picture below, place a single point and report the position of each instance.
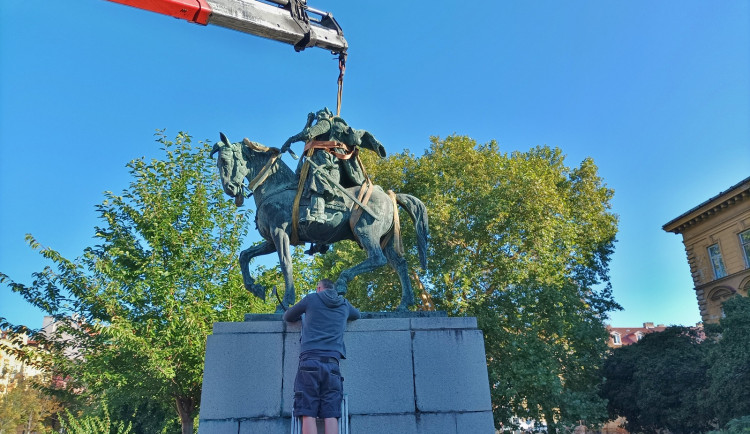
(631, 335)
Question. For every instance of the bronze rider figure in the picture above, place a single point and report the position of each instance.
(332, 144)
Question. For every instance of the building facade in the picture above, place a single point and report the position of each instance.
(716, 235)
(13, 369)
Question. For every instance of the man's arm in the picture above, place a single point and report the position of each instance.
(353, 312)
(294, 313)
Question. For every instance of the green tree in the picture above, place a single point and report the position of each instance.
(729, 359)
(735, 426)
(304, 275)
(94, 424)
(26, 408)
(659, 383)
(143, 300)
(522, 242)
(145, 414)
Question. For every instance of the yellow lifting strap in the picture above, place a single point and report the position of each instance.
(294, 237)
(365, 191)
(398, 245)
(395, 232)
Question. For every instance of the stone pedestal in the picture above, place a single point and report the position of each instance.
(405, 373)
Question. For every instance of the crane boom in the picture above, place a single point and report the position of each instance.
(284, 20)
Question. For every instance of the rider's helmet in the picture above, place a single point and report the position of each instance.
(324, 114)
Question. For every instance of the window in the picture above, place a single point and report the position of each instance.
(720, 295)
(616, 339)
(745, 243)
(716, 262)
(638, 336)
(717, 297)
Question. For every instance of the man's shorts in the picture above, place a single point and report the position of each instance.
(318, 388)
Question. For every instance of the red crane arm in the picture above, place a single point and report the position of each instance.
(285, 21)
(195, 11)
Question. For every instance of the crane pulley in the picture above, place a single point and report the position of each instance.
(286, 21)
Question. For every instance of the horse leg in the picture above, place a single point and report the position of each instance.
(281, 240)
(263, 248)
(398, 263)
(375, 259)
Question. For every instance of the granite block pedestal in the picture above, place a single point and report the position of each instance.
(405, 373)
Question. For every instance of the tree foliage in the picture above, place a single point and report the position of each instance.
(135, 309)
(25, 408)
(658, 383)
(522, 242)
(678, 381)
(735, 426)
(729, 359)
(73, 424)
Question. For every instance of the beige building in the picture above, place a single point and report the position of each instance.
(11, 368)
(716, 235)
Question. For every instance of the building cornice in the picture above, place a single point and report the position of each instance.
(723, 281)
(723, 200)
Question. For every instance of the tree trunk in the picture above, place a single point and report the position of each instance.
(551, 426)
(185, 408)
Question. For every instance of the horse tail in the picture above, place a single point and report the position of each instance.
(418, 213)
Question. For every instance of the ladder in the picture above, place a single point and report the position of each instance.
(343, 422)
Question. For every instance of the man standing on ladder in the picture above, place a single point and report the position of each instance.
(318, 386)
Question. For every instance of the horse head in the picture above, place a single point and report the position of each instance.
(233, 168)
(236, 161)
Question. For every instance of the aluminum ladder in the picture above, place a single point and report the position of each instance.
(343, 421)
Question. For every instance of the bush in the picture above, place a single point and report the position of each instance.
(93, 424)
(735, 426)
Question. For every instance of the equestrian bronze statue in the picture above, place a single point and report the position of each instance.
(362, 212)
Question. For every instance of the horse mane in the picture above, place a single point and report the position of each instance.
(283, 176)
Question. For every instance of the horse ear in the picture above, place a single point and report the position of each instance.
(216, 149)
(224, 138)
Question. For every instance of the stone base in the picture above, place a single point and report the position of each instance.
(405, 373)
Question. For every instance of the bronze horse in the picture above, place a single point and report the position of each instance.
(273, 185)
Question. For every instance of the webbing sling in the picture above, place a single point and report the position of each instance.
(294, 237)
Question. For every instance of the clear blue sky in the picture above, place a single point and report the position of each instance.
(657, 93)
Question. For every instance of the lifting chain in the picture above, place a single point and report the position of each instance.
(342, 69)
